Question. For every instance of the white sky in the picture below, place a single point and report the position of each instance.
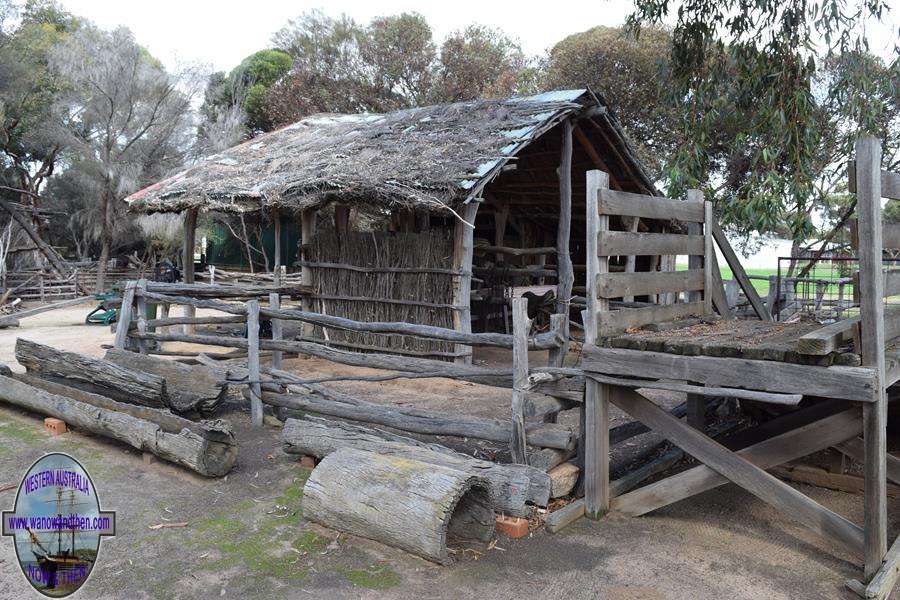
(222, 33)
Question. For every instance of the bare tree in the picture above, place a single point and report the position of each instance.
(124, 118)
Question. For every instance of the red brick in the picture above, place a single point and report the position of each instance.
(55, 426)
(514, 527)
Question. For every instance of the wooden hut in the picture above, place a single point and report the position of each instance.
(433, 215)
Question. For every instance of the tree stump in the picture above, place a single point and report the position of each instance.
(405, 503)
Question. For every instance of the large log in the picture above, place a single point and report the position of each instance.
(511, 485)
(189, 388)
(207, 447)
(405, 503)
(545, 435)
(92, 374)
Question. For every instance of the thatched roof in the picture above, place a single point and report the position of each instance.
(427, 158)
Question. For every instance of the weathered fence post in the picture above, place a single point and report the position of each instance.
(564, 271)
(595, 433)
(187, 272)
(142, 315)
(521, 325)
(124, 320)
(871, 305)
(256, 409)
(277, 325)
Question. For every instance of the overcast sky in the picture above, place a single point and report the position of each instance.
(222, 33)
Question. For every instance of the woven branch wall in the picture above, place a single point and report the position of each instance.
(424, 298)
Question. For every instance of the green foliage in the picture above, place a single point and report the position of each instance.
(632, 74)
(393, 62)
(772, 95)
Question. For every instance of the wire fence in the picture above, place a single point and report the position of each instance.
(827, 292)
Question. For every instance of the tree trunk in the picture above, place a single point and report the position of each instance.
(189, 388)
(404, 503)
(92, 375)
(511, 485)
(207, 447)
(104, 242)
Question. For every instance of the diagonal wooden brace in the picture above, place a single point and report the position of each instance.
(741, 471)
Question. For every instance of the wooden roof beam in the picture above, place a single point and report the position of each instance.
(595, 157)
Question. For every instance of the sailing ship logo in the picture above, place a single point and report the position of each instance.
(56, 525)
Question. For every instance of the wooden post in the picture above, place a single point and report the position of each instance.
(501, 215)
(565, 277)
(164, 314)
(595, 434)
(341, 218)
(142, 315)
(871, 280)
(709, 259)
(277, 326)
(694, 261)
(696, 411)
(187, 253)
(256, 409)
(276, 222)
(521, 326)
(307, 231)
(124, 320)
(463, 241)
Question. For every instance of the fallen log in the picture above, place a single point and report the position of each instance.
(189, 389)
(207, 448)
(409, 504)
(511, 485)
(14, 318)
(545, 435)
(92, 374)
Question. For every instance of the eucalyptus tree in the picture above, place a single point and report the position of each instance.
(792, 83)
(125, 120)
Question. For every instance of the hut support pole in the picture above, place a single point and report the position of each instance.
(307, 231)
(187, 276)
(868, 198)
(565, 277)
(276, 222)
(463, 241)
(277, 329)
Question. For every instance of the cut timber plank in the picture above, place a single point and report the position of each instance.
(831, 337)
(817, 476)
(890, 182)
(698, 390)
(612, 322)
(625, 243)
(617, 285)
(791, 445)
(738, 470)
(737, 270)
(613, 202)
(848, 383)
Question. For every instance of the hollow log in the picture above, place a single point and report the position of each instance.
(511, 485)
(92, 374)
(211, 452)
(189, 388)
(545, 435)
(409, 504)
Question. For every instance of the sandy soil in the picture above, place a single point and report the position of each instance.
(246, 536)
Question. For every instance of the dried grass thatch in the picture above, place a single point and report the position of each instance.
(430, 158)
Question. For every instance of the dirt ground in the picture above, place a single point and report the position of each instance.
(246, 536)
